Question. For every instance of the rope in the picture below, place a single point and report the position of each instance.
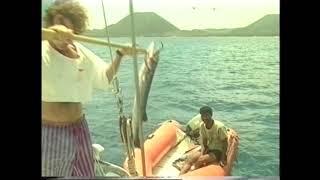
(115, 81)
(107, 31)
(118, 95)
(132, 167)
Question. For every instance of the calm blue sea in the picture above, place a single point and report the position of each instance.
(237, 76)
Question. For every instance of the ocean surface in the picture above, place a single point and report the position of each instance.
(237, 76)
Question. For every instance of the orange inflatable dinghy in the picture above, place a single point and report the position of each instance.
(167, 138)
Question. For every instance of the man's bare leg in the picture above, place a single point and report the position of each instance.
(204, 160)
(190, 161)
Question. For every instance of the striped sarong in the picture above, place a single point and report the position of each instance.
(67, 150)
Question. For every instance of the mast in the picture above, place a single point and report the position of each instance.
(136, 79)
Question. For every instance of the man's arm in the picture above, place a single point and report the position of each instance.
(204, 150)
(224, 150)
(113, 69)
(203, 141)
(224, 139)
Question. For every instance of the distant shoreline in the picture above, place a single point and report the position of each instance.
(149, 24)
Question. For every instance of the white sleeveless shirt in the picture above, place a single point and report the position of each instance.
(71, 80)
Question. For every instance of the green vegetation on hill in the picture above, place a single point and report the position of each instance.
(146, 24)
(266, 26)
(151, 24)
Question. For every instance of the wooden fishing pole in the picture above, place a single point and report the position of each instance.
(48, 34)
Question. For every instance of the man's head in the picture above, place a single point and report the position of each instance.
(68, 13)
(206, 114)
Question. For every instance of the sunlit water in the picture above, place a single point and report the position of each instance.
(237, 76)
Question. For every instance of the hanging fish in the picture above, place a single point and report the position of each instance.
(146, 74)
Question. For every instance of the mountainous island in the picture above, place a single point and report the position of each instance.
(149, 24)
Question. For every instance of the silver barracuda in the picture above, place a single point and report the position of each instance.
(146, 73)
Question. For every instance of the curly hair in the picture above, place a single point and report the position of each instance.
(71, 10)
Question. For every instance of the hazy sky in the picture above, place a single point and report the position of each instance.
(185, 14)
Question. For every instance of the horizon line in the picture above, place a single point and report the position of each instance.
(183, 29)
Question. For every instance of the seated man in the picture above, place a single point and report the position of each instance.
(214, 143)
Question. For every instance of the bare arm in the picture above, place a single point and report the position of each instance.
(224, 138)
(204, 150)
(224, 149)
(113, 69)
(204, 140)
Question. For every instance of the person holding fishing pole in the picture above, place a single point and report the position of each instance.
(69, 73)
